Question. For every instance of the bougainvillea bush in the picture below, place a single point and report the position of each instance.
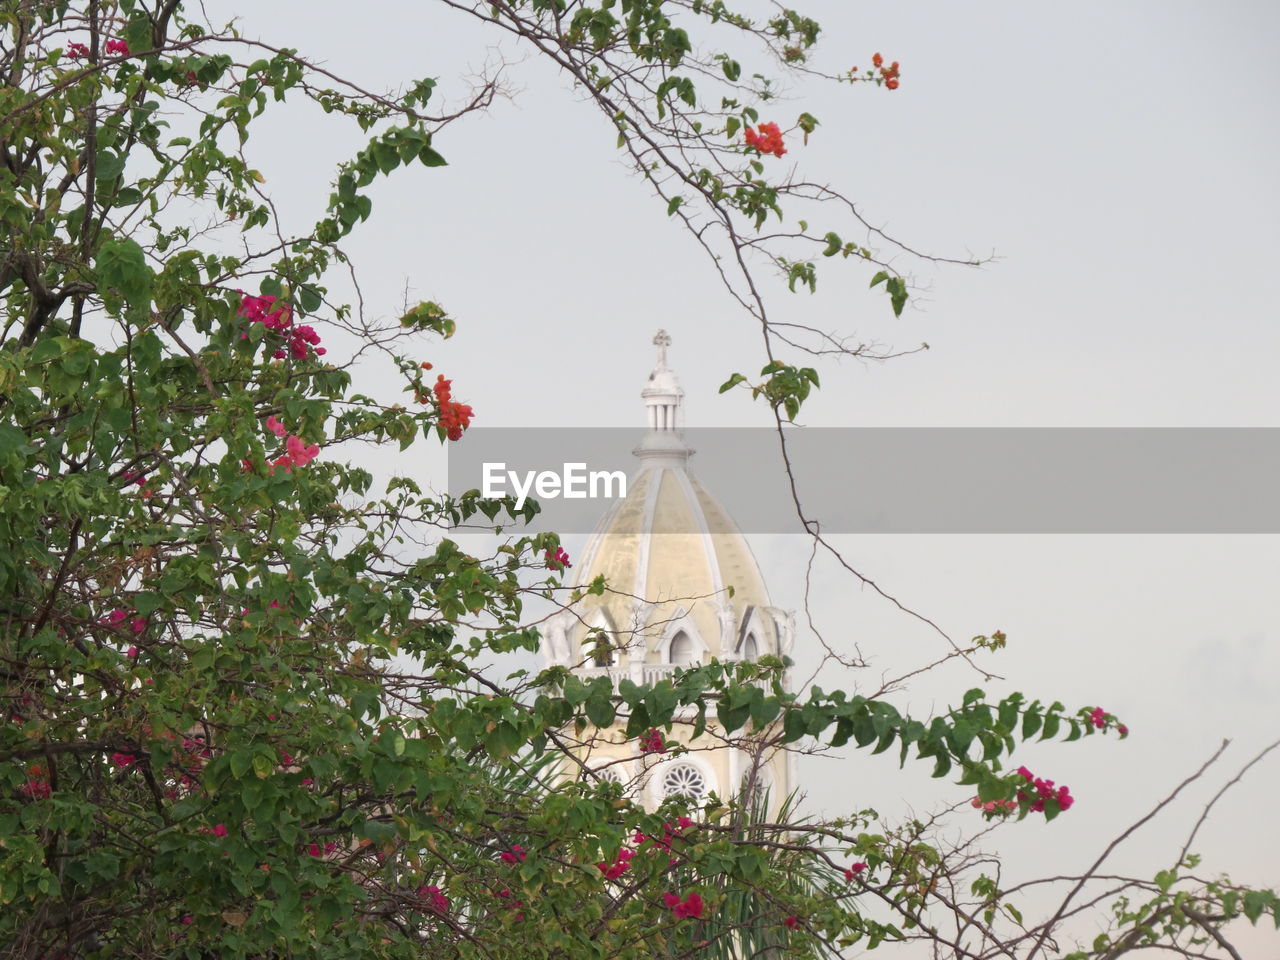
(241, 702)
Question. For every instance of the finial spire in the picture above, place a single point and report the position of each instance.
(662, 340)
(663, 400)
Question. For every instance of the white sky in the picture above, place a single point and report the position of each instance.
(1119, 159)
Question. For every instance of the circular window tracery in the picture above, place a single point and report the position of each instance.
(684, 780)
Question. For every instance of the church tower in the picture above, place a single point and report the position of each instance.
(669, 554)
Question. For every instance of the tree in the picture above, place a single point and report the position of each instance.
(245, 710)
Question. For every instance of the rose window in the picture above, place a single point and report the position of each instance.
(684, 780)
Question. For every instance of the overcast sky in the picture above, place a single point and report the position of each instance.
(1119, 159)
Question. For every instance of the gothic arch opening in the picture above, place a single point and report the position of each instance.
(682, 650)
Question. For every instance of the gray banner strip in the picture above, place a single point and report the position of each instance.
(976, 480)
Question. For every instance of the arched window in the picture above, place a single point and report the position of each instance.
(681, 649)
(750, 649)
(684, 780)
(608, 772)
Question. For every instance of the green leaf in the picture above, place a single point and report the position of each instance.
(429, 158)
(600, 711)
(108, 165)
(122, 264)
(732, 382)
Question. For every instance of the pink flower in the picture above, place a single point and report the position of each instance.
(123, 760)
(114, 617)
(117, 47)
(612, 871)
(515, 904)
(792, 922)
(132, 653)
(137, 625)
(852, 871)
(188, 919)
(691, 906)
(299, 452)
(275, 426)
(77, 51)
(651, 742)
(1122, 730)
(437, 901)
(558, 560)
(1025, 773)
(515, 855)
(1098, 717)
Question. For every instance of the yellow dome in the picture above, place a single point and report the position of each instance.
(681, 584)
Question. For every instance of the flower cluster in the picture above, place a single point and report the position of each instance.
(1044, 790)
(767, 140)
(558, 560)
(854, 869)
(118, 48)
(651, 742)
(116, 621)
(1001, 807)
(77, 51)
(433, 898)
(888, 74)
(1100, 719)
(881, 74)
(36, 787)
(792, 922)
(612, 871)
(123, 760)
(277, 315)
(669, 833)
(316, 850)
(454, 417)
(514, 904)
(217, 830)
(690, 906)
(296, 453)
(515, 855)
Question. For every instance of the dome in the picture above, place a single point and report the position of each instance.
(681, 583)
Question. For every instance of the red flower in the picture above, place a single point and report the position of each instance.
(691, 906)
(891, 83)
(454, 417)
(792, 922)
(118, 47)
(1098, 717)
(436, 900)
(612, 871)
(515, 855)
(651, 742)
(767, 140)
(123, 760)
(77, 51)
(558, 560)
(877, 60)
(852, 871)
(1122, 730)
(36, 787)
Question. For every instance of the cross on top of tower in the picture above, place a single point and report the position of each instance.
(662, 340)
